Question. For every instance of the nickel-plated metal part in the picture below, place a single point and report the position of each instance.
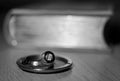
(38, 64)
(47, 58)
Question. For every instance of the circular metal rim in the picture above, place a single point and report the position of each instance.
(67, 66)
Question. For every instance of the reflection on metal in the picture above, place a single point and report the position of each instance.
(14, 42)
(34, 64)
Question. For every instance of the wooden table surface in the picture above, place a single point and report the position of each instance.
(88, 66)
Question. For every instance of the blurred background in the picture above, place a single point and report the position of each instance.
(6, 5)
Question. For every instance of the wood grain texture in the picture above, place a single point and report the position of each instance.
(87, 67)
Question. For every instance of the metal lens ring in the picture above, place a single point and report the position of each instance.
(46, 69)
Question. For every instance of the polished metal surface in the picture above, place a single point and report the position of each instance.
(33, 64)
(48, 57)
